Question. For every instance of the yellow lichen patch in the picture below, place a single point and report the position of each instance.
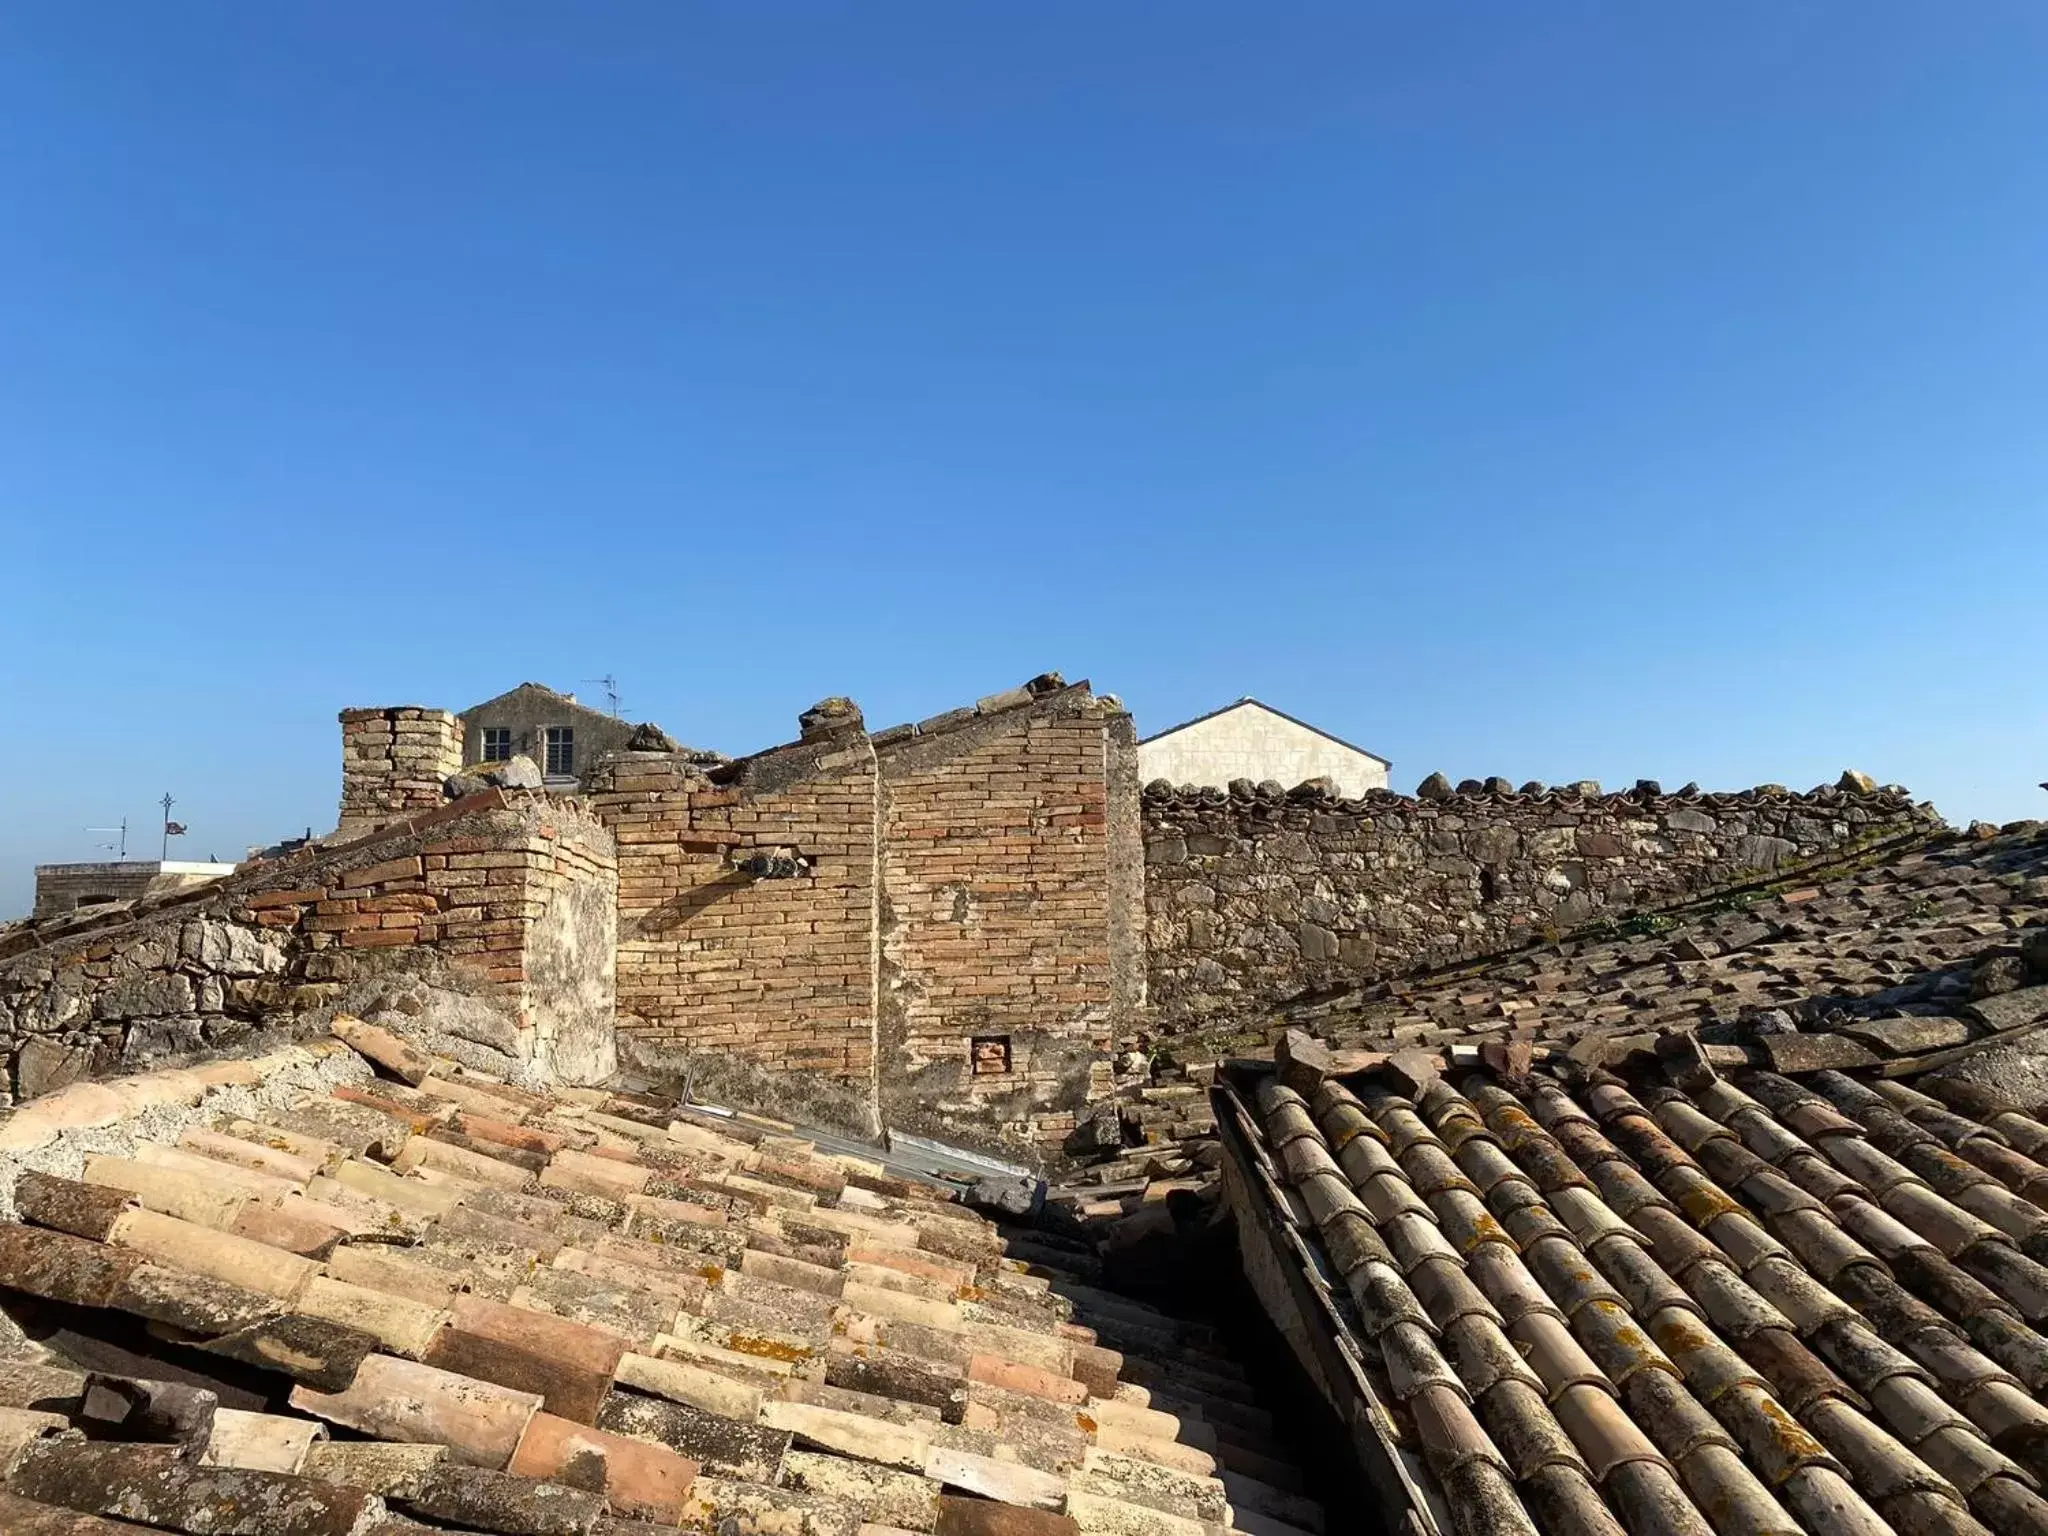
(1486, 1230)
(1521, 1120)
(767, 1349)
(1084, 1422)
(1793, 1437)
(712, 1272)
(1702, 1204)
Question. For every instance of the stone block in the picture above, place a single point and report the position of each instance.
(1910, 1036)
(1302, 1061)
(43, 1066)
(1793, 1054)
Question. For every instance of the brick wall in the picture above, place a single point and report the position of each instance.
(511, 890)
(964, 879)
(998, 898)
(1252, 896)
(779, 966)
(394, 763)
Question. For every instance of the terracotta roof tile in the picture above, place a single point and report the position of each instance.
(1702, 1285)
(556, 1262)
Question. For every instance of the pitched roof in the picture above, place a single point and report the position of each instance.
(437, 1295)
(566, 701)
(1248, 700)
(1690, 1279)
(1761, 1306)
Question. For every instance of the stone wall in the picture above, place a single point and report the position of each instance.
(394, 763)
(514, 893)
(1253, 895)
(62, 888)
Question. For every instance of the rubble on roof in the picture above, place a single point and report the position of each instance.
(1153, 1135)
(430, 1299)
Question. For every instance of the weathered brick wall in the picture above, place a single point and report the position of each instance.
(712, 957)
(1253, 895)
(975, 877)
(998, 916)
(501, 886)
(394, 763)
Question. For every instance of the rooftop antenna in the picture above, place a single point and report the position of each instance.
(171, 828)
(610, 685)
(120, 849)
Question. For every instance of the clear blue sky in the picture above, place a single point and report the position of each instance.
(1550, 390)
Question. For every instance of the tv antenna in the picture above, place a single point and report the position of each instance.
(118, 849)
(171, 828)
(610, 685)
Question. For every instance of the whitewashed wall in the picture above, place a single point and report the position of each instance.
(1251, 742)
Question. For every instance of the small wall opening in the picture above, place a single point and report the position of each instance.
(989, 1054)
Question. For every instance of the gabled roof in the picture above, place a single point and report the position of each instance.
(566, 700)
(1351, 746)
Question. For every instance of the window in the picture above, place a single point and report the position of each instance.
(497, 743)
(560, 747)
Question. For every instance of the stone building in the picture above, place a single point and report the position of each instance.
(1256, 742)
(62, 888)
(564, 738)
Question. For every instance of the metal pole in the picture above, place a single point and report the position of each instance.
(168, 802)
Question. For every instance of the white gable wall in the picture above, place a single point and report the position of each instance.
(1252, 742)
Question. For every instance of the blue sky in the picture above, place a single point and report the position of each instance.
(1555, 391)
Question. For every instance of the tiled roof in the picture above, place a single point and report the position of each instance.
(1765, 1306)
(1852, 952)
(430, 1300)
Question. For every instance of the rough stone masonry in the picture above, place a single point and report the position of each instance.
(515, 893)
(956, 924)
(1254, 893)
